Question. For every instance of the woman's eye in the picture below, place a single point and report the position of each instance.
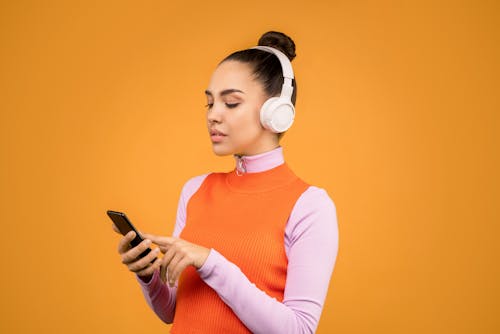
(232, 105)
(209, 105)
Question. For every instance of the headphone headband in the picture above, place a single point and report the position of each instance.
(286, 67)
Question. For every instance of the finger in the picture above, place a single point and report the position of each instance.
(124, 244)
(163, 270)
(172, 265)
(149, 271)
(144, 262)
(166, 262)
(132, 254)
(159, 240)
(177, 270)
(167, 258)
(164, 249)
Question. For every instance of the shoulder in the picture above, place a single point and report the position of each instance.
(316, 198)
(314, 211)
(192, 185)
(315, 201)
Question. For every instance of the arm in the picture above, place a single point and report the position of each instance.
(160, 296)
(311, 242)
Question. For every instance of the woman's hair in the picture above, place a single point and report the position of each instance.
(266, 66)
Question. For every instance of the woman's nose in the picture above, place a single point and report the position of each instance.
(214, 114)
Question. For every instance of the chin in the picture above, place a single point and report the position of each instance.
(220, 151)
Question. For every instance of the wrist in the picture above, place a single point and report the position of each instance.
(146, 278)
(203, 258)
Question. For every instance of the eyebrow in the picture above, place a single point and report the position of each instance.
(225, 92)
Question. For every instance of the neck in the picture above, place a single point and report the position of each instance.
(259, 162)
(260, 150)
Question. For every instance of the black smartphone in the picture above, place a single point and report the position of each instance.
(124, 225)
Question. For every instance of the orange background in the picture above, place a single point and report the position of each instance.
(102, 107)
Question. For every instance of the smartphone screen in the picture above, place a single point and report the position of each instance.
(124, 226)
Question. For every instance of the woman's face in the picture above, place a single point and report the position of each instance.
(234, 99)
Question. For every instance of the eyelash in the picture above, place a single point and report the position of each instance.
(228, 105)
(232, 105)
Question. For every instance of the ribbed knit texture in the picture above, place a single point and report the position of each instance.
(244, 219)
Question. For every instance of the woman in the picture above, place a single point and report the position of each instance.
(253, 249)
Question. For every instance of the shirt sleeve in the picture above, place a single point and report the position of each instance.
(311, 244)
(160, 296)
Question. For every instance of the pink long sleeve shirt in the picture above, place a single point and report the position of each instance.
(311, 246)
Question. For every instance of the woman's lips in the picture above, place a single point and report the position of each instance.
(217, 136)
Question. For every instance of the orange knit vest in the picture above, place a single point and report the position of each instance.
(244, 219)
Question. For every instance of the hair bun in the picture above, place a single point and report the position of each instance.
(280, 41)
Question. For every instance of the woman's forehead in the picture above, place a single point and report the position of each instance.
(232, 75)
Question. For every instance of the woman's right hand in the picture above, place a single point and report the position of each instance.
(130, 256)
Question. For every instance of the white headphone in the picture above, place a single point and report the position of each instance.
(277, 113)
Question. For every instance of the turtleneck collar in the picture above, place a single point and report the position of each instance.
(259, 162)
(260, 173)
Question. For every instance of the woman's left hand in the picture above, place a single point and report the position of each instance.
(178, 255)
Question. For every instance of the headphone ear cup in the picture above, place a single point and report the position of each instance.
(277, 114)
